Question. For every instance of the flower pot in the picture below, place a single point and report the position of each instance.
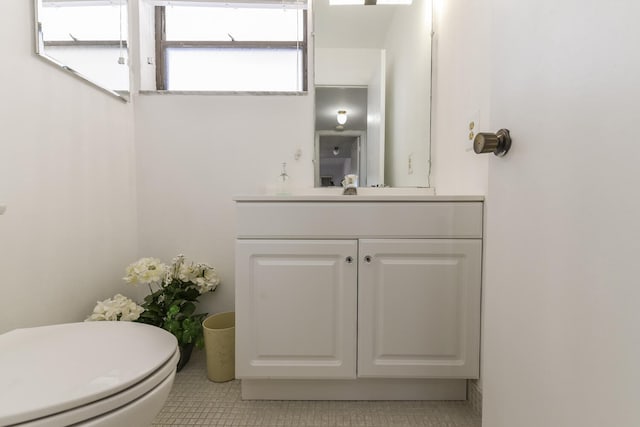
(219, 344)
(185, 355)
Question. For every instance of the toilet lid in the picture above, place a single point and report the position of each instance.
(49, 369)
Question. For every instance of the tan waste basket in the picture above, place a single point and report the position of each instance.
(219, 344)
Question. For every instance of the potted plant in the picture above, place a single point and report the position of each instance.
(171, 304)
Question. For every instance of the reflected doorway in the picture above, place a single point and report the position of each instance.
(339, 154)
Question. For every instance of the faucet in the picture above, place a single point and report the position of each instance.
(350, 184)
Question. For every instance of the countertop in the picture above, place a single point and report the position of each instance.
(364, 195)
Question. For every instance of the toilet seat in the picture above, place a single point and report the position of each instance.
(71, 373)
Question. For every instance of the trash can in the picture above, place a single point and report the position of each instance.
(219, 344)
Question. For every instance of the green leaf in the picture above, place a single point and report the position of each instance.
(192, 294)
(200, 342)
(188, 308)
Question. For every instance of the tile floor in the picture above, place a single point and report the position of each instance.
(195, 400)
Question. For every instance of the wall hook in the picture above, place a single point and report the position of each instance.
(497, 143)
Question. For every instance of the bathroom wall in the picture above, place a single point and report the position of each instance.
(346, 66)
(560, 315)
(561, 335)
(461, 69)
(408, 53)
(67, 176)
(195, 152)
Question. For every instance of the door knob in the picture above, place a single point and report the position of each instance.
(497, 143)
(367, 258)
(349, 260)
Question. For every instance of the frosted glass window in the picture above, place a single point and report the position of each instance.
(220, 23)
(234, 69)
(84, 22)
(249, 47)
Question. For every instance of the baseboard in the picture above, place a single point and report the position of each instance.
(359, 389)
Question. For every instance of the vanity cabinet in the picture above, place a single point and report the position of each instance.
(358, 291)
(419, 308)
(296, 308)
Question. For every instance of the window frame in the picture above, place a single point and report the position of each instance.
(162, 44)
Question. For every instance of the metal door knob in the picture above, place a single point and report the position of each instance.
(367, 258)
(349, 260)
(497, 143)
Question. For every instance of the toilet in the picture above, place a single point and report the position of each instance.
(85, 374)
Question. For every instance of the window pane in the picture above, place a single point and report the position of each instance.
(220, 23)
(99, 64)
(234, 69)
(83, 22)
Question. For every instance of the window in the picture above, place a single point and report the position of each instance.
(253, 46)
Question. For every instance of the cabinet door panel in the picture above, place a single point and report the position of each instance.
(419, 308)
(296, 309)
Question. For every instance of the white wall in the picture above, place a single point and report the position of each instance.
(195, 153)
(460, 93)
(561, 339)
(560, 312)
(352, 27)
(346, 66)
(67, 175)
(461, 86)
(376, 111)
(408, 55)
(145, 30)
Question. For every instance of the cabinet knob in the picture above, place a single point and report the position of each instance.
(349, 260)
(367, 258)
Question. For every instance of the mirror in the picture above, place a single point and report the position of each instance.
(87, 38)
(383, 52)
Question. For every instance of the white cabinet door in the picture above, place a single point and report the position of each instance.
(296, 308)
(419, 308)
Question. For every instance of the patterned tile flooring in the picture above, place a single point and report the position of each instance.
(194, 400)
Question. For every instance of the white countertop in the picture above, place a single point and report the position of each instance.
(381, 198)
(365, 194)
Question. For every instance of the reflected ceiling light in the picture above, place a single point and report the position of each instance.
(367, 2)
(342, 116)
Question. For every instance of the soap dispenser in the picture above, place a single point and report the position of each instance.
(284, 182)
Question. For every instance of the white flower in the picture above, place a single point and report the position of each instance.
(117, 308)
(202, 276)
(187, 273)
(207, 279)
(146, 271)
(173, 272)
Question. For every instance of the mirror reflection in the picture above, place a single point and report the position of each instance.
(341, 135)
(383, 52)
(87, 38)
